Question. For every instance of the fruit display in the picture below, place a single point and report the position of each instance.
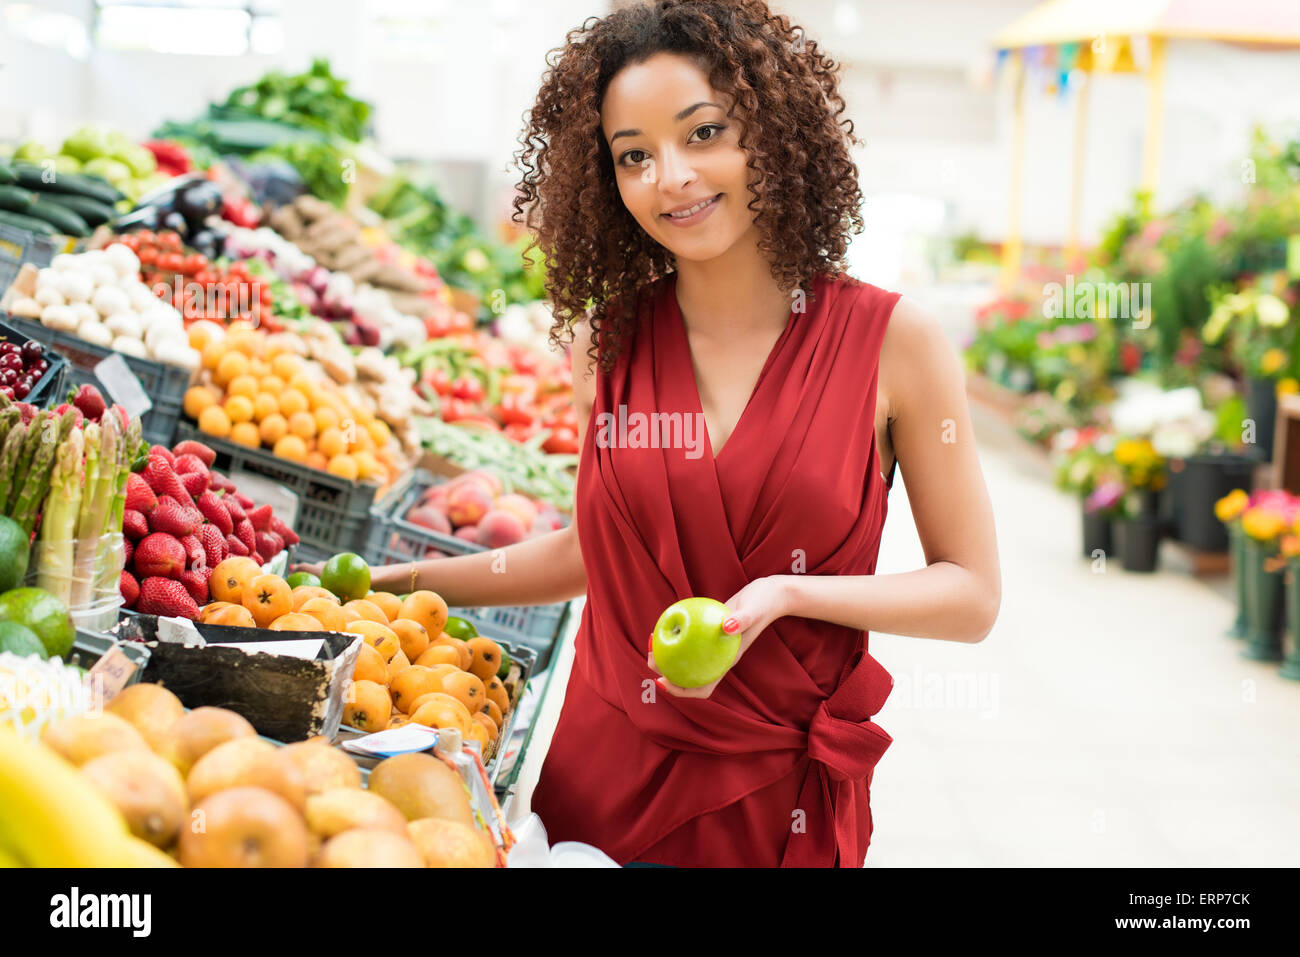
(474, 507)
(182, 521)
(119, 788)
(94, 151)
(261, 391)
(410, 667)
(22, 366)
(689, 645)
(99, 296)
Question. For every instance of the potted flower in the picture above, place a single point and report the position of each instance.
(1142, 469)
(1229, 510)
(1082, 462)
(1101, 509)
(1269, 515)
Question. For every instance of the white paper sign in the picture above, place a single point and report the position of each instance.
(122, 385)
(403, 740)
(180, 631)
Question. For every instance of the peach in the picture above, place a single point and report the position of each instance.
(519, 505)
(499, 528)
(491, 478)
(468, 532)
(467, 503)
(429, 517)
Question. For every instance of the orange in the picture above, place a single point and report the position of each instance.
(379, 431)
(399, 664)
(443, 711)
(227, 580)
(273, 428)
(368, 466)
(388, 603)
(412, 635)
(267, 597)
(286, 365)
(291, 447)
(234, 616)
(265, 404)
(485, 657)
(360, 608)
(497, 694)
(239, 408)
(294, 621)
(327, 613)
(330, 441)
(197, 398)
(201, 333)
(303, 593)
(427, 608)
(214, 421)
(327, 418)
(245, 433)
(461, 649)
(410, 684)
(242, 385)
(437, 654)
(316, 460)
(370, 666)
(291, 401)
(231, 365)
(211, 354)
(367, 706)
(465, 688)
(344, 466)
(381, 636)
(302, 424)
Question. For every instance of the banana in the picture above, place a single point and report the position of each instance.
(50, 816)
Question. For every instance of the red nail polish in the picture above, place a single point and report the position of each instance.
(730, 624)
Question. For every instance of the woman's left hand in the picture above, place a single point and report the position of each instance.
(752, 609)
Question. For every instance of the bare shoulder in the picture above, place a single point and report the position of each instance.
(916, 357)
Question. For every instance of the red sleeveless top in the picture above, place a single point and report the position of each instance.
(774, 768)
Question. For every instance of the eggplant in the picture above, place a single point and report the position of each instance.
(197, 202)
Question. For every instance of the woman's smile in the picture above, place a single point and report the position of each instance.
(690, 215)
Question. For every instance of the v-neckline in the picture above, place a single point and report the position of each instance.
(715, 456)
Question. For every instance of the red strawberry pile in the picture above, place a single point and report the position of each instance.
(183, 519)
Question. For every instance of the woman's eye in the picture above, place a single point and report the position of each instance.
(630, 154)
(711, 126)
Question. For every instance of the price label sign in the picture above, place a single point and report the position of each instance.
(109, 674)
(122, 385)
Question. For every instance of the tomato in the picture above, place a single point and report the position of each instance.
(193, 264)
(148, 255)
(520, 433)
(147, 237)
(516, 410)
(453, 410)
(518, 385)
(131, 241)
(469, 388)
(563, 440)
(439, 381)
(170, 240)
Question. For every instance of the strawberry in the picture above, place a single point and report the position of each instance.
(129, 588)
(91, 403)
(215, 511)
(164, 481)
(28, 412)
(163, 451)
(134, 524)
(236, 546)
(190, 447)
(245, 501)
(175, 519)
(196, 483)
(127, 551)
(245, 533)
(196, 583)
(214, 545)
(287, 534)
(195, 556)
(220, 483)
(139, 496)
(159, 555)
(261, 518)
(123, 417)
(189, 463)
(237, 513)
(166, 598)
(66, 408)
(268, 544)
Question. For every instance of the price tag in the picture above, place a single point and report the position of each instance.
(122, 385)
(403, 740)
(110, 673)
(180, 631)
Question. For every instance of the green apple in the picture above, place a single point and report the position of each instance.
(690, 648)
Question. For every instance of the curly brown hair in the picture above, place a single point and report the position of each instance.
(785, 92)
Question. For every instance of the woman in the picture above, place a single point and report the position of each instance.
(686, 157)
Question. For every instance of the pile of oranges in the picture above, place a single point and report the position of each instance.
(258, 390)
(408, 669)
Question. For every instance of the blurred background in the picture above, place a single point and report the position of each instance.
(1100, 202)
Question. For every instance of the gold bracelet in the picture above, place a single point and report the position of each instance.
(414, 573)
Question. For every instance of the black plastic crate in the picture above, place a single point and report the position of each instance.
(18, 247)
(333, 512)
(51, 389)
(164, 384)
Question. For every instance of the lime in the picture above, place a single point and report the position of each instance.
(44, 614)
(346, 575)
(302, 578)
(460, 628)
(505, 664)
(13, 554)
(20, 640)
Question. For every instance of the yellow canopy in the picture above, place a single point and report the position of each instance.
(1267, 22)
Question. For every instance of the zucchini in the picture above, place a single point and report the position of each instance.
(33, 178)
(92, 211)
(15, 199)
(60, 217)
(7, 177)
(30, 223)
